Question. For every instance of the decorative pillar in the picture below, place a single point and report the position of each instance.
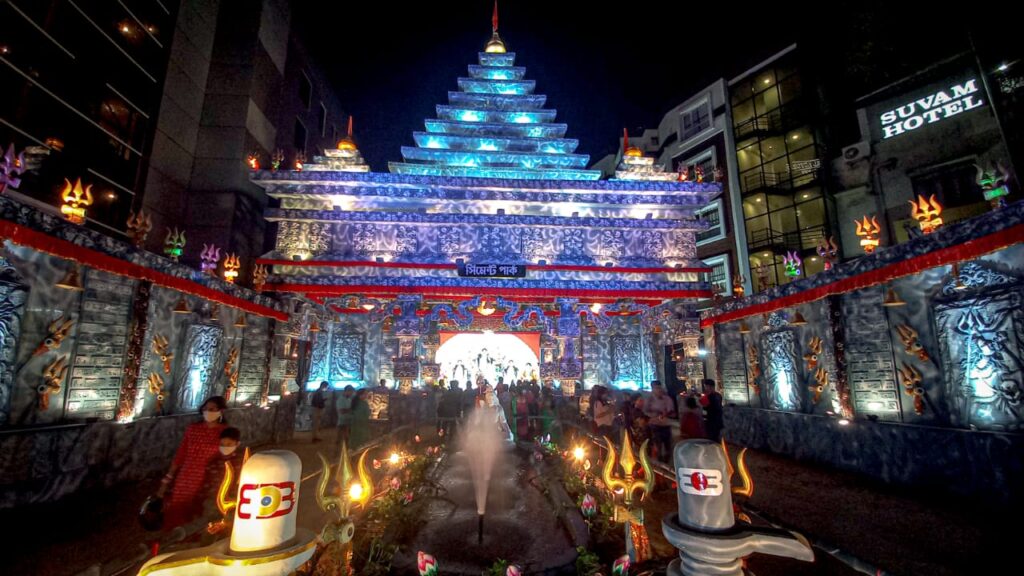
(567, 327)
(135, 350)
(408, 328)
(430, 371)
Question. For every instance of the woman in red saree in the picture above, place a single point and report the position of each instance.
(186, 479)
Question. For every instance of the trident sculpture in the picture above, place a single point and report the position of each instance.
(704, 528)
(638, 545)
(354, 490)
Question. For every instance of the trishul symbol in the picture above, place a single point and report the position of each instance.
(927, 213)
(174, 244)
(259, 277)
(139, 226)
(231, 266)
(868, 230)
(637, 541)
(911, 345)
(160, 348)
(814, 355)
(792, 263)
(828, 250)
(911, 378)
(209, 257)
(76, 200)
(821, 379)
(53, 376)
(155, 384)
(58, 330)
(343, 529)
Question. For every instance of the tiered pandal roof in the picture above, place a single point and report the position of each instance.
(494, 126)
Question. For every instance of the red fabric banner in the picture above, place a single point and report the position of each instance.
(942, 257)
(93, 259)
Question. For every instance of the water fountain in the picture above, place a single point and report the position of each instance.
(482, 443)
(491, 507)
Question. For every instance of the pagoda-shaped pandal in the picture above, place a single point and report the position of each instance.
(492, 221)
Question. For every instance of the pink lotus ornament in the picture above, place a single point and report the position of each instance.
(376, 464)
(408, 497)
(416, 438)
(621, 566)
(589, 506)
(396, 483)
(513, 570)
(426, 563)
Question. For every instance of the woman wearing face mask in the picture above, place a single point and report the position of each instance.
(186, 480)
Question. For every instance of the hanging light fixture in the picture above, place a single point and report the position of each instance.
(72, 280)
(182, 307)
(744, 329)
(892, 298)
(314, 327)
(798, 319)
(240, 323)
(214, 312)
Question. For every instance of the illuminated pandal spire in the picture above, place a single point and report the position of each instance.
(344, 158)
(495, 45)
(636, 166)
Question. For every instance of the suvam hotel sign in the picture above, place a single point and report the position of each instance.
(931, 109)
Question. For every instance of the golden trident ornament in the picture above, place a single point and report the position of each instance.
(638, 545)
(342, 529)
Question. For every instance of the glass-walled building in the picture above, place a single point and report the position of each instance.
(82, 86)
(778, 155)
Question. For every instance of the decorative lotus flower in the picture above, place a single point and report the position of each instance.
(513, 570)
(396, 483)
(426, 563)
(376, 464)
(621, 566)
(408, 497)
(589, 506)
(416, 438)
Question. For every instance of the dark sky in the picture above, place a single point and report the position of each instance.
(604, 66)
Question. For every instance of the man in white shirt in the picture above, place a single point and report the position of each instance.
(658, 407)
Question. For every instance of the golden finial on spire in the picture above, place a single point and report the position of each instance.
(495, 45)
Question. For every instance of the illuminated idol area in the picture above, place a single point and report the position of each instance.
(486, 355)
(491, 224)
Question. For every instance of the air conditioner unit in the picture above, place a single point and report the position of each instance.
(856, 152)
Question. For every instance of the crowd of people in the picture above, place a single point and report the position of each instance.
(530, 410)
(650, 417)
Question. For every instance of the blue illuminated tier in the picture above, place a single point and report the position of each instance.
(518, 102)
(496, 116)
(492, 129)
(494, 159)
(495, 127)
(505, 59)
(496, 72)
(491, 172)
(492, 144)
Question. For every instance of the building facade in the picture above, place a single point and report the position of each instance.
(159, 108)
(926, 135)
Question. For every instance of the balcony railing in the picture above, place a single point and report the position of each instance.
(785, 241)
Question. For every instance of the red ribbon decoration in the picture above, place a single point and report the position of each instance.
(93, 259)
(958, 253)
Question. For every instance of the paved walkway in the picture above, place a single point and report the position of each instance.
(896, 531)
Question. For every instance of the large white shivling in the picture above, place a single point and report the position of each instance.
(264, 539)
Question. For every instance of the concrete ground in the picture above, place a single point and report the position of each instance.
(889, 530)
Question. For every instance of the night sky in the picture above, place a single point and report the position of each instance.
(604, 66)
